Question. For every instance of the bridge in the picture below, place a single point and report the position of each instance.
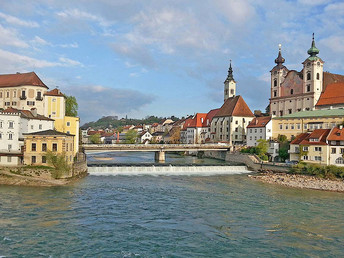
(159, 149)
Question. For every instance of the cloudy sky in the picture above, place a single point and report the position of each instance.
(164, 57)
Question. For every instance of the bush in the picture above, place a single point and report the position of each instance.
(58, 161)
(329, 172)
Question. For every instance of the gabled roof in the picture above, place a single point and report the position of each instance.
(336, 134)
(333, 95)
(187, 123)
(330, 78)
(49, 132)
(317, 137)
(197, 120)
(20, 79)
(210, 116)
(234, 106)
(261, 121)
(299, 138)
(55, 92)
(25, 114)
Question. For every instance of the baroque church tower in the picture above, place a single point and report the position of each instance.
(313, 73)
(230, 84)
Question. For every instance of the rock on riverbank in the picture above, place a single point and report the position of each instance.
(300, 181)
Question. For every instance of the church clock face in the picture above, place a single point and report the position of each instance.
(318, 64)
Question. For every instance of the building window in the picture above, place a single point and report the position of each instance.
(317, 158)
(317, 148)
(305, 148)
(30, 103)
(308, 76)
(9, 147)
(33, 159)
(232, 91)
(33, 147)
(305, 157)
(339, 160)
(341, 150)
(281, 113)
(281, 126)
(54, 146)
(291, 91)
(275, 93)
(68, 123)
(44, 147)
(333, 150)
(274, 113)
(308, 88)
(44, 159)
(290, 111)
(10, 125)
(9, 159)
(275, 83)
(40, 127)
(10, 136)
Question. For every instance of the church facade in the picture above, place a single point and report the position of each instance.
(293, 91)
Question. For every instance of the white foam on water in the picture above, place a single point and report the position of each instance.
(168, 170)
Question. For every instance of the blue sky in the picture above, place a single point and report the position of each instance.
(162, 57)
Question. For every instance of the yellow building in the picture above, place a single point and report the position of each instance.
(311, 147)
(306, 121)
(37, 144)
(55, 108)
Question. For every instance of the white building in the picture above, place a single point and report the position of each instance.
(145, 137)
(13, 123)
(259, 128)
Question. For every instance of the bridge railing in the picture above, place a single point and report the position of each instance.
(159, 146)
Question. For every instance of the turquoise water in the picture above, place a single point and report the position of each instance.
(170, 216)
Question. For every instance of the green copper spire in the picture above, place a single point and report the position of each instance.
(230, 72)
(313, 51)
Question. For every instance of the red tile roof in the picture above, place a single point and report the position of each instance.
(54, 92)
(299, 138)
(25, 114)
(259, 122)
(336, 134)
(19, 79)
(234, 106)
(317, 137)
(330, 78)
(210, 116)
(187, 123)
(333, 95)
(198, 120)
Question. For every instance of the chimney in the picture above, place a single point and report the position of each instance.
(34, 112)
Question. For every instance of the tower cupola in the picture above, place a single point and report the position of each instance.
(279, 60)
(230, 72)
(313, 51)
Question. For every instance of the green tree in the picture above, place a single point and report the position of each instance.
(262, 147)
(131, 137)
(282, 138)
(95, 138)
(59, 162)
(71, 106)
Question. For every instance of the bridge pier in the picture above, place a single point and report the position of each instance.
(160, 156)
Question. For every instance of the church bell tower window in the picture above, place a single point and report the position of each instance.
(275, 83)
(318, 76)
(308, 76)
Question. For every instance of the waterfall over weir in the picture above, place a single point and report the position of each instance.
(166, 170)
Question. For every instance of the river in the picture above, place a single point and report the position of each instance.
(170, 216)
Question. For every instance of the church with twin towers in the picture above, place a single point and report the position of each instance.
(294, 91)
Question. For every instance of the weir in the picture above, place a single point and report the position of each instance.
(168, 170)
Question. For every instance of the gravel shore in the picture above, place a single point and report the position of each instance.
(300, 181)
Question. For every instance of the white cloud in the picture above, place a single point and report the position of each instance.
(39, 41)
(16, 21)
(77, 14)
(10, 37)
(69, 62)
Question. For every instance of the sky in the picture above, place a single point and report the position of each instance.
(164, 57)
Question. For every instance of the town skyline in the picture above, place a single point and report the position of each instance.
(131, 59)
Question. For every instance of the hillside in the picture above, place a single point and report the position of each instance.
(110, 122)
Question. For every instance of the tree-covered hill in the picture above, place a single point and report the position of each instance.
(111, 122)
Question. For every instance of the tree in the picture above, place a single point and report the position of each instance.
(59, 162)
(95, 138)
(175, 135)
(71, 106)
(131, 137)
(262, 147)
(282, 138)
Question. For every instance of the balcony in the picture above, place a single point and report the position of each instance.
(39, 98)
(22, 97)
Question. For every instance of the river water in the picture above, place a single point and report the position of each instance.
(170, 216)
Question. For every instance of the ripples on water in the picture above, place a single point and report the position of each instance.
(174, 216)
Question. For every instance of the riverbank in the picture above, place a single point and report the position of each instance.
(40, 175)
(300, 181)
